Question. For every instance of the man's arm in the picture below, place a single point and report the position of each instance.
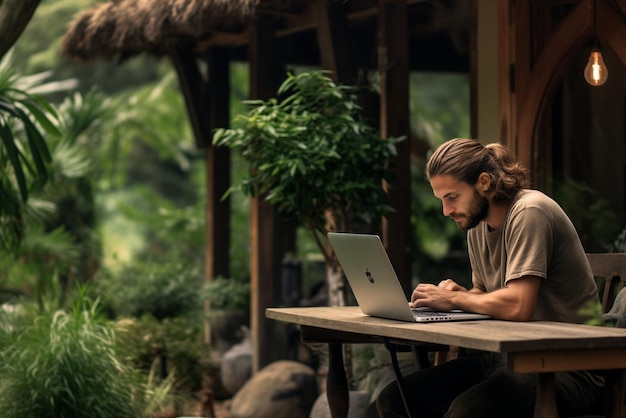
(515, 302)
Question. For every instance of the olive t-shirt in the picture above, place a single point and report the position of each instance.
(536, 239)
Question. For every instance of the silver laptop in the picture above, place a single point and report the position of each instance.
(374, 282)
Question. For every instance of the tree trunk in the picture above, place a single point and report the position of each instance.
(336, 285)
(14, 16)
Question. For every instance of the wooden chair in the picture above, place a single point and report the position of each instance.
(609, 270)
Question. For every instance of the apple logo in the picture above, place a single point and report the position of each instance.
(369, 276)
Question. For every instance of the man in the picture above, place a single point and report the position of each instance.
(527, 263)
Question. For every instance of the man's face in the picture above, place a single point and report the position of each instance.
(461, 202)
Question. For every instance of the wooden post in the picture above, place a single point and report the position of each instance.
(334, 41)
(393, 68)
(266, 72)
(218, 169)
(207, 101)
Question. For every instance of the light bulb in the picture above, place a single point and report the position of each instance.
(596, 72)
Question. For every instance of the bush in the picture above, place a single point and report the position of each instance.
(158, 288)
(68, 365)
(228, 293)
(174, 345)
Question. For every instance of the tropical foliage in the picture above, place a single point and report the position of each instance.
(24, 154)
(60, 245)
(55, 246)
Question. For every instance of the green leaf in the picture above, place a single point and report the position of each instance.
(312, 152)
(14, 157)
(41, 117)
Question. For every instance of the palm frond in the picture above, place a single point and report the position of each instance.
(25, 121)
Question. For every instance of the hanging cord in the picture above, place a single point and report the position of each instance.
(595, 38)
(594, 18)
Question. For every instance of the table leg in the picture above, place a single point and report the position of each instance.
(337, 383)
(545, 406)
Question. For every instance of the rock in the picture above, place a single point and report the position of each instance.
(225, 328)
(283, 389)
(236, 364)
(360, 406)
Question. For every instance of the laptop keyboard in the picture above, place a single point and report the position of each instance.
(419, 313)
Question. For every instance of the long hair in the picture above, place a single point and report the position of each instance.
(465, 159)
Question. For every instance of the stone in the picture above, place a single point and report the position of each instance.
(236, 364)
(283, 389)
(360, 406)
(226, 326)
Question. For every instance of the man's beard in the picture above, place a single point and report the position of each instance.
(478, 210)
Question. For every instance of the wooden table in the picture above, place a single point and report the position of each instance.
(528, 347)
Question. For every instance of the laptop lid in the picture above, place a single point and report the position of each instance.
(374, 283)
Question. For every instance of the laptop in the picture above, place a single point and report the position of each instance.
(375, 285)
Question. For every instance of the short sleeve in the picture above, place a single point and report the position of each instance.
(529, 240)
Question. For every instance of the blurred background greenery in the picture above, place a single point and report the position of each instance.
(122, 219)
(145, 171)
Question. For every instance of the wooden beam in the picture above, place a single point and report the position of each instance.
(224, 39)
(393, 67)
(290, 23)
(266, 72)
(218, 168)
(207, 105)
(565, 360)
(473, 39)
(506, 68)
(194, 91)
(334, 40)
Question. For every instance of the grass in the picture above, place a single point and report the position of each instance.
(68, 365)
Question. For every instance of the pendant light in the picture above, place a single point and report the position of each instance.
(596, 72)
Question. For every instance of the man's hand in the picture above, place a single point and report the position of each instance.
(450, 284)
(514, 302)
(435, 296)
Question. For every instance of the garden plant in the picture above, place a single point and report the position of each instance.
(313, 155)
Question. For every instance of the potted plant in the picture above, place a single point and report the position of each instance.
(315, 158)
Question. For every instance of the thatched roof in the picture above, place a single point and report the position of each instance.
(129, 27)
(118, 29)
